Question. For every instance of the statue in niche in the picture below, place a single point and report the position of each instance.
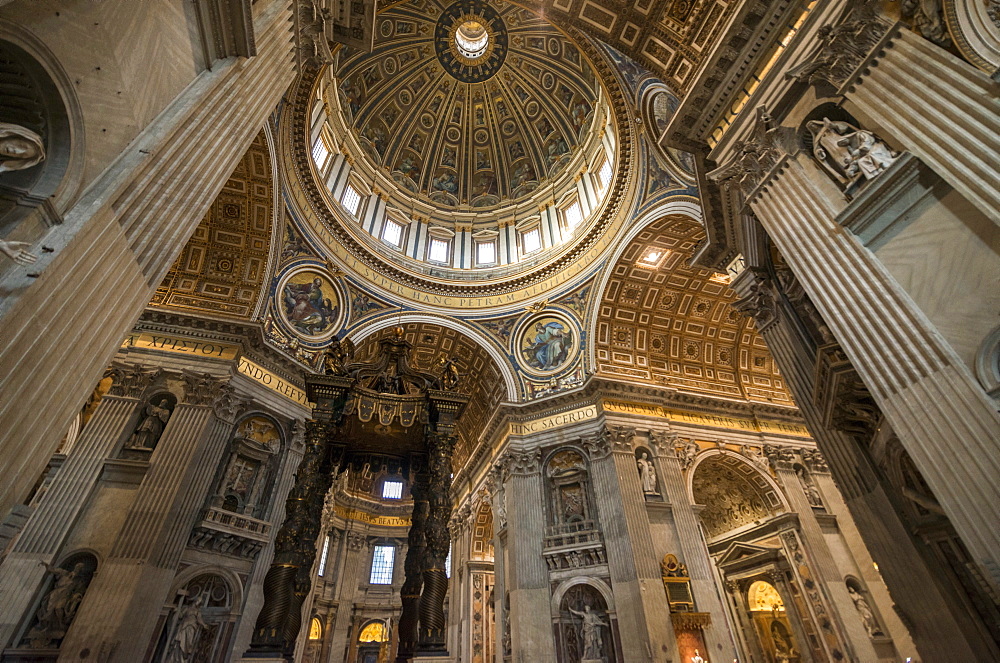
(59, 606)
(20, 147)
(647, 474)
(784, 651)
(865, 610)
(697, 657)
(590, 633)
(851, 155)
(187, 628)
(152, 425)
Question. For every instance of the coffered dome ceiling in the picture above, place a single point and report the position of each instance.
(469, 103)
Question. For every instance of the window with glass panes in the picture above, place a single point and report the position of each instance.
(382, 560)
(392, 490)
(486, 253)
(531, 240)
(438, 250)
(392, 232)
(351, 199)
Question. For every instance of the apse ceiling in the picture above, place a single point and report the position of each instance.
(663, 321)
(469, 103)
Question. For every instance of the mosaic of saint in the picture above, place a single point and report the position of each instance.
(547, 344)
(309, 303)
(473, 129)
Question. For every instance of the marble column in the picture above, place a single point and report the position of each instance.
(414, 569)
(527, 575)
(640, 602)
(694, 553)
(132, 584)
(117, 243)
(915, 588)
(46, 530)
(944, 419)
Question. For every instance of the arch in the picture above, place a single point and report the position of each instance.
(390, 320)
(677, 206)
(63, 187)
(569, 583)
(374, 630)
(751, 496)
(315, 629)
(236, 588)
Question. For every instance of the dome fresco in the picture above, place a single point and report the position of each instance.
(468, 103)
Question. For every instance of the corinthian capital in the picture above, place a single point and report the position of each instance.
(622, 438)
(779, 458)
(600, 445)
(761, 301)
(131, 380)
(201, 388)
(525, 462)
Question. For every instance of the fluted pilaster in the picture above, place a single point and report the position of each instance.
(527, 574)
(943, 418)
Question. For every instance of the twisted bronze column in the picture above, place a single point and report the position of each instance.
(288, 580)
(432, 621)
(414, 567)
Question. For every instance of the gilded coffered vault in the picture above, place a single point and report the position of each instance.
(225, 263)
(664, 321)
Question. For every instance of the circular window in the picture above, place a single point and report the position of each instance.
(471, 38)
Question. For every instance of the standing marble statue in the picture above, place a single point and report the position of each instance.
(865, 610)
(151, 428)
(58, 608)
(188, 625)
(590, 631)
(647, 474)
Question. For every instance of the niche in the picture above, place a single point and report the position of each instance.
(569, 489)
(249, 469)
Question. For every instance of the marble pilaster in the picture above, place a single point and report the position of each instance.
(44, 533)
(132, 584)
(942, 416)
(118, 241)
(527, 575)
(914, 588)
(640, 603)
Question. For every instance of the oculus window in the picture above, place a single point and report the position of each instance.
(392, 232)
(438, 250)
(531, 241)
(471, 38)
(486, 253)
(382, 565)
(392, 490)
(351, 199)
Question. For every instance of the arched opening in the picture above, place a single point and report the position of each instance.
(373, 642)
(771, 623)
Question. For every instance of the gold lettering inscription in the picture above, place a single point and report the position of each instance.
(185, 346)
(261, 375)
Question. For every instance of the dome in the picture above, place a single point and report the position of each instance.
(476, 141)
(470, 103)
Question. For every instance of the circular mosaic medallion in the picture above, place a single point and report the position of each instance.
(547, 343)
(470, 40)
(309, 304)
